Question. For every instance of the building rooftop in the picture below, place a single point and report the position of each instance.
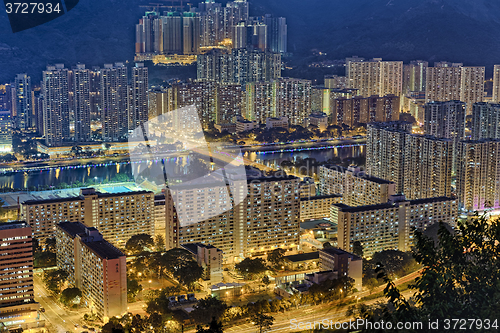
(14, 225)
(319, 197)
(350, 209)
(360, 174)
(72, 228)
(104, 249)
(302, 257)
(318, 224)
(333, 250)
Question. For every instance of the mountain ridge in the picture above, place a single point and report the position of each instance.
(96, 32)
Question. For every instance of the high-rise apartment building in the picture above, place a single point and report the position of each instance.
(266, 219)
(239, 66)
(472, 86)
(390, 226)
(336, 82)
(190, 33)
(443, 82)
(234, 13)
(317, 207)
(352, 111)
(427, 167)
(414, 76)
(384, 151)
(114, 102)
(95, 267)
(18, 308)
(81, 103)
(260, 101)
(496, 84)
(478, 174)
(23, 103)
(294, 100)
(139, 107)
(5, 131)
(356, 187)
(277, 33)
(446, 120)
(485, 121)
(375, 77)
(118, 216)
(55, 90)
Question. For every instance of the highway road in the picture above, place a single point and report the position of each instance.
(317, 313)
(60, 319)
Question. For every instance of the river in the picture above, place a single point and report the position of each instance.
(121, 171)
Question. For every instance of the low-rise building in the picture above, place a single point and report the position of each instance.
(243, 125)
(320, 120)
(390, 225)
(302, 260)
(209, 258)
(95, 267)
(345, 263)
(276, 122)
(230, 127)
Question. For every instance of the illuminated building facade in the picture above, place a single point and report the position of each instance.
(356, 187)
(427, 167)
(18, 308)
(478, 174)
(496, 84)
(390, 226)
(384, 151)
(118, 216)
(5, 131)
(95, 267)
(267, 218)
(443, 82)
(485, 121)
(55, 91)
(81, 103)
(472, 86)
(375, 77)
(114, 102)
(23, 103)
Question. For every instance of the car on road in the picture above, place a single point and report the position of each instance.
(76, 325)
(42, 309)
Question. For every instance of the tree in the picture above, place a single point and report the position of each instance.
(50, 245)
(155, 320)
(251, 267)
(208, 307)
(266, 280)
(357, 248)
(139, 243)
(327, 245)
(133, 288)
(263, 322)
(159, 243)
(371, 284)
(69, 295)
(460, 276)
(55, 279)
(213, 327)
(275, 257)
(181, 264)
